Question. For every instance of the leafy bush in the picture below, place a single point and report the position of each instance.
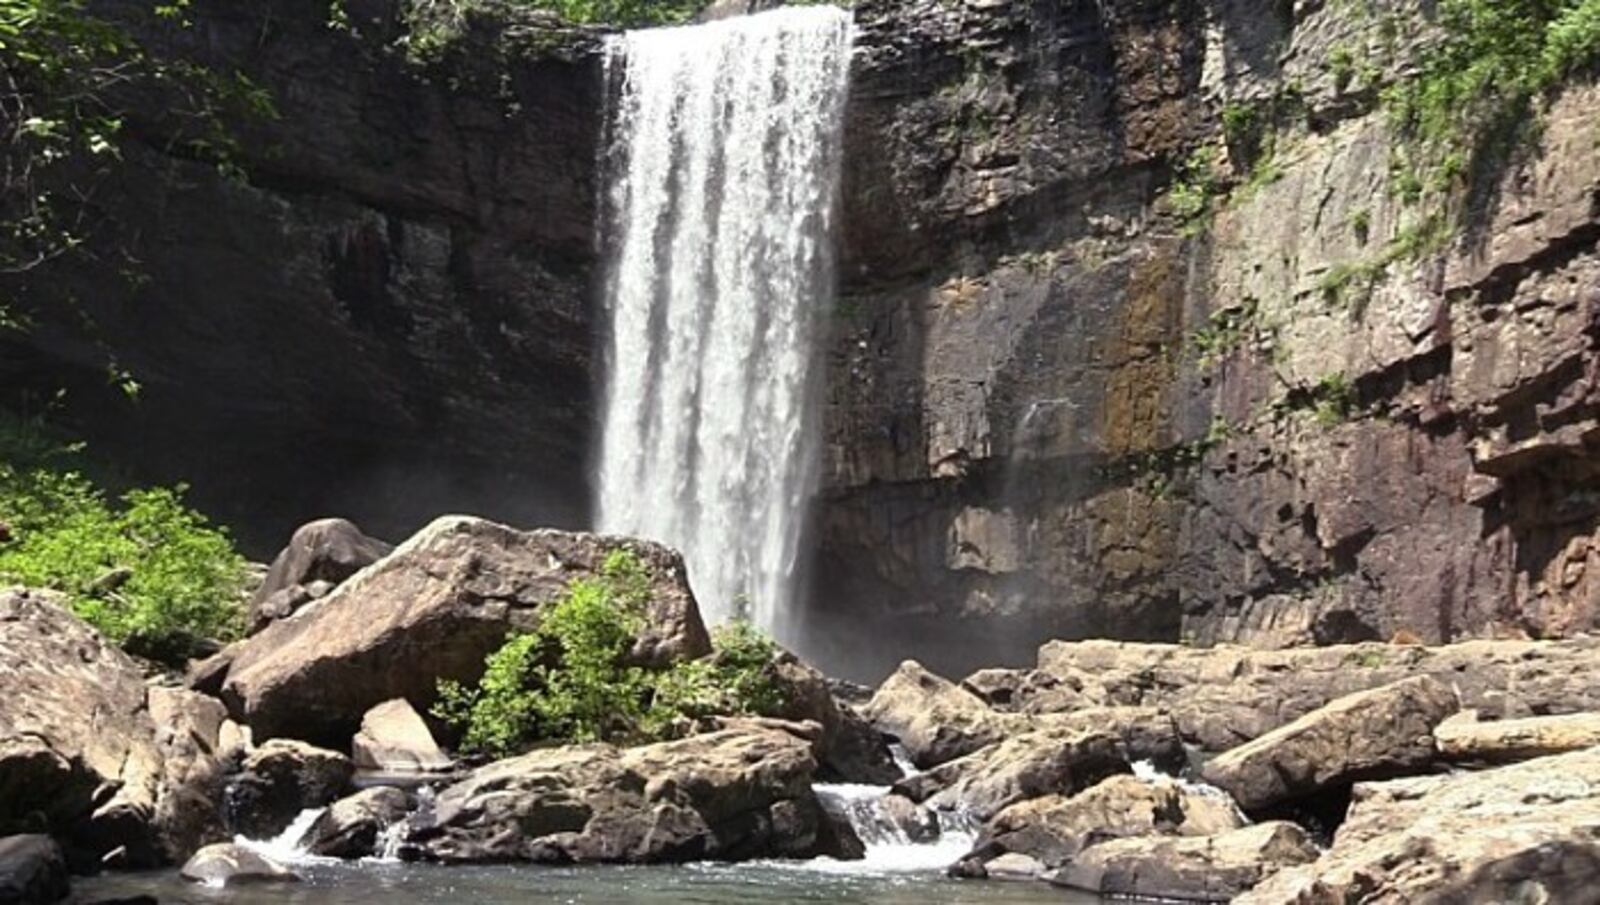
(1478, 85)
(568, 680)
(145, 570)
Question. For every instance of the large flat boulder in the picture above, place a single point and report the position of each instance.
(933, 718)
(1188, 868)
(1053, 829)
(78, 751)
(1464, 738)
(1031, 765)
(727, 795)
(1529, 832)
(431, 610)
(1372, 734)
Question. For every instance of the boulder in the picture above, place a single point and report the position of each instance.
(32, 870)
(319, 556)
(934, 719)
(911, 820)
(394, 739)
(937, 720)
(1386, 731)
(1463, 738)
(1224, 696)
(227, 864)
(351, 827)
(1055, 828)
(194, 764)
(279, 780)
(850, 750)
(1188, 868)
(433, 609)
(1031, 765)
(727, 795)
(1013, 866)
(1519, 833)
(78, 752)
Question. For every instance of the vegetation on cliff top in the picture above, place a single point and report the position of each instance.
(145, 570)
(569, 680)
(1473, 106)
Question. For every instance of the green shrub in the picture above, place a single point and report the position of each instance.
(145, 570)
(569, 680)
(1478, 85)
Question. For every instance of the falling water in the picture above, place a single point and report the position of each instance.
(725, 171)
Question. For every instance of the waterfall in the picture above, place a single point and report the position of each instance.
(724, 171)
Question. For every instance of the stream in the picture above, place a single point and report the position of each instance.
(895, 871)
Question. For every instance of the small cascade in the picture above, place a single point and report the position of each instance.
(889, 846)
(286, 847)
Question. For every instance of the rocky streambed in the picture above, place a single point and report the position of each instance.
(298, 764)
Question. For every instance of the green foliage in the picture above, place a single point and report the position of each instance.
(147, 571)
(1194, 186)
(63, 76)
(1225, 331)
(1479, 85)
(1409, 244)
(1333, 399)
(569, 680)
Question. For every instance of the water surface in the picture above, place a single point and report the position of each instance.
(697, 884)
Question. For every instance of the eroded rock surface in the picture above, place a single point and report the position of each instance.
(1387, 731)
(1519, 833)
(726, 795)
(1224, 696)
(81, 756)
(1034, 764)
(279, 780)
(1188, 868)
(1053, 829)
(1464, 738)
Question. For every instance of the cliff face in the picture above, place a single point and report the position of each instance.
(1063, 399)
(1060, 406)
(389, 313)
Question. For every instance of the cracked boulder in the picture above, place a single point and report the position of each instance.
(728, 795)
(1520, 833)
(1374, 734)
(80, 755)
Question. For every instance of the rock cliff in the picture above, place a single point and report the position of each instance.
(1066, 396)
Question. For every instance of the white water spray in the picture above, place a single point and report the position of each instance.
(726, 167)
